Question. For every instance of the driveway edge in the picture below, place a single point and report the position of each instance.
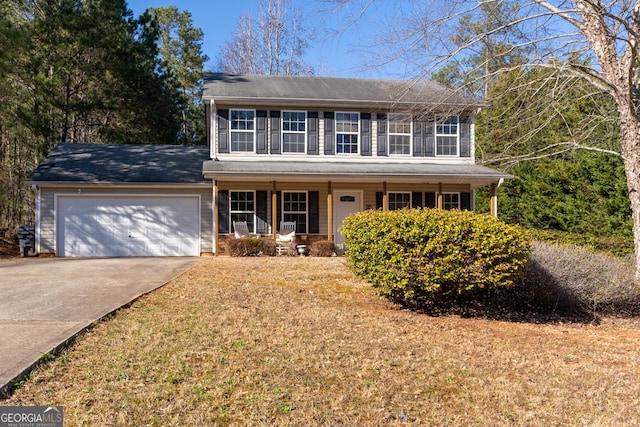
(10, 386)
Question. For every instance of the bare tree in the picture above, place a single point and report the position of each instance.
(274, 43)
(587, 40)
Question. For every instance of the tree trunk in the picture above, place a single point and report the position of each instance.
(630, 139)
(618, 73)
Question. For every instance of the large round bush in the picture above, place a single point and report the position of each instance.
(413, 255)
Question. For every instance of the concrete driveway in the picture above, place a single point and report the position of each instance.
(45, 302)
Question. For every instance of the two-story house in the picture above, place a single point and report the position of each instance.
(280, 148)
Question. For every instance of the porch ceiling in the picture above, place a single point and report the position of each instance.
(414, 173)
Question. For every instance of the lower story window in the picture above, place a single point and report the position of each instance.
(451, 200)
(399, 201)
(294, 208)
(243, 208)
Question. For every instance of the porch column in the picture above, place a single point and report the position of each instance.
(329, 212)
(216, 240)
(385, 202)
(494, 199)
(440, 204)
(274, 211)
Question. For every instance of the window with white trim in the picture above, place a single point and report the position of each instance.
(294, 208)
(294, 131)
(398, 200)
(242, 127)
(347, 133)
(447, 136)
(242, 207)
(399, 133)
(450, 201)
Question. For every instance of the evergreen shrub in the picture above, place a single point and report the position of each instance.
(416, 255)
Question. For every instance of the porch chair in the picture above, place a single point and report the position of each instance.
(240, 229)
(286, 238)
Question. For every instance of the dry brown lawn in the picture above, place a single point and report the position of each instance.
(299, 341)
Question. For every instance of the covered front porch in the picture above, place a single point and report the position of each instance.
(319, 196)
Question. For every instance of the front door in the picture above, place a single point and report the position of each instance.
(345, 203)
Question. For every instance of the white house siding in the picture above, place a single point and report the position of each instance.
(47, 210)
(47, 220)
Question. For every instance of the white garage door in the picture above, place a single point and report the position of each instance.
(128, 226)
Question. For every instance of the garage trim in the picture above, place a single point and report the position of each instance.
(80, 194)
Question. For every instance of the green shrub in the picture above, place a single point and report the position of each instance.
(250, 246)
(620, 244)
(417, 255)
(322, 248)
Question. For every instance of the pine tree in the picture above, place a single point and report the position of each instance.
(181, 53)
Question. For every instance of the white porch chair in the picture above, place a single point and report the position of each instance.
(240, 229)
(287, 225)
(286, 238)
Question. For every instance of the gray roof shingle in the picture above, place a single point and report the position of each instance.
(476, 175)
(331, 90)
(102, 163)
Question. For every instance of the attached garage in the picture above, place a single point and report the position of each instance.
(105, 226)
(98, 200)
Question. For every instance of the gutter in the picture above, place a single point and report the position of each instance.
(332, 103)
(76, 184)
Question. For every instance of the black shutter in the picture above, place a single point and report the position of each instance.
(329, 136)
(278, 208)
(223, 211)
(430, 200)
(262, 222)
(382, 134)
(465, 201)
(223, 131)
(379, 200)
(261, 132)
(275, 132)
(207, 116)
(429, 139)
(465, 136)
(416, 200)
(418, 138)
(314, 212)
(313, 148)
(365, 134)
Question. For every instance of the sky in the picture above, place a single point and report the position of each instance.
(334, 56)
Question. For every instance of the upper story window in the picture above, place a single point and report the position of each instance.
(242, 130)
(399, 133)
(294, 131)
(447, 136)
(399, 200)
(347, 131)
